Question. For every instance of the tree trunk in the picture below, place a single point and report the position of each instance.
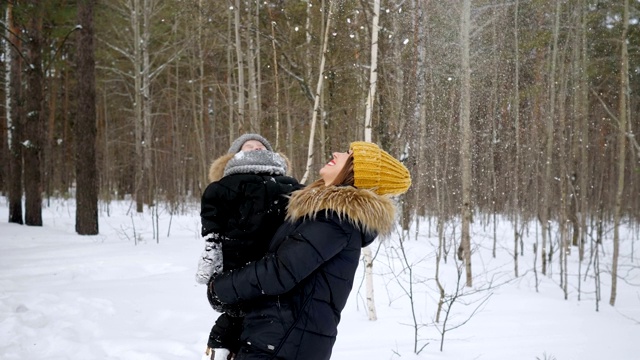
(622, 140)
(465, 141)
(35, 124)
(15, 115)
(240, 65)
(373, 70)
(580, 169)
(253, 74)
(516, 167)
(229, 76)
(419, 138)
(548, 178)
(258, 79)
(373, 76)
(200, 109)
(138, 99)
(51, 165)
(147, 187)
(276, 84)
(563, 176)
(584, 131)
(85, 127)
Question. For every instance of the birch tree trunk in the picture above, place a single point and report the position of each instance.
(317, 97)
(373, 70)
(15, 116)
(622, 138)
(373, 77)
(85, 125)
(276, 82)
(465, 141)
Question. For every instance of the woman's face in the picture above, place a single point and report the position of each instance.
(251, 145)
(331, 170)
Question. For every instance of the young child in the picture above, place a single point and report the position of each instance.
(241, 209)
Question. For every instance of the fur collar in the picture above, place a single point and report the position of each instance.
(216, 170)
(372, 213)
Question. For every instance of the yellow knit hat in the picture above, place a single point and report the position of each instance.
(375, 169)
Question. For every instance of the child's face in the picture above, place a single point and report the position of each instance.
(251, 145)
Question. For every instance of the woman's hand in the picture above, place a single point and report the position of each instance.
(219, 306)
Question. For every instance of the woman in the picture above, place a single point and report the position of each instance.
(297, 291)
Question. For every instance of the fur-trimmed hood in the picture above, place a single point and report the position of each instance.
(372, 213)
(216, 169)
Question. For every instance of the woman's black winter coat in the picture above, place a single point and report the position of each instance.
(298, 290)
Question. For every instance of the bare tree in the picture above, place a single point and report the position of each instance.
(479, 297)
(373, 70)
(408, 287)
(142, 55)
(583, 96)
(465, 142)
(5, 132)
(516, 106)
(373, 78)
(622, 137)
(254, 73)
(239, 65)
(582, 113)
(34, 125)
(276, 80)
(548, 178)
(14, 114)
(198, 106)
(317, 97)
(416, 134)
(85, 127)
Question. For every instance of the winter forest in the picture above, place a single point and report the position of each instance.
(516, 111)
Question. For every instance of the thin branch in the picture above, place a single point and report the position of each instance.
(630, 136)
(77, 27)
(303, 84)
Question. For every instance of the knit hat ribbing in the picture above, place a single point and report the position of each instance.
(256, 162)
(375, 169)
(236, 145)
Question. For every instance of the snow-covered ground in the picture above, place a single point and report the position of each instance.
(124, 295)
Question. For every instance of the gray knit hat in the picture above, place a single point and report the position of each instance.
(237, 143)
